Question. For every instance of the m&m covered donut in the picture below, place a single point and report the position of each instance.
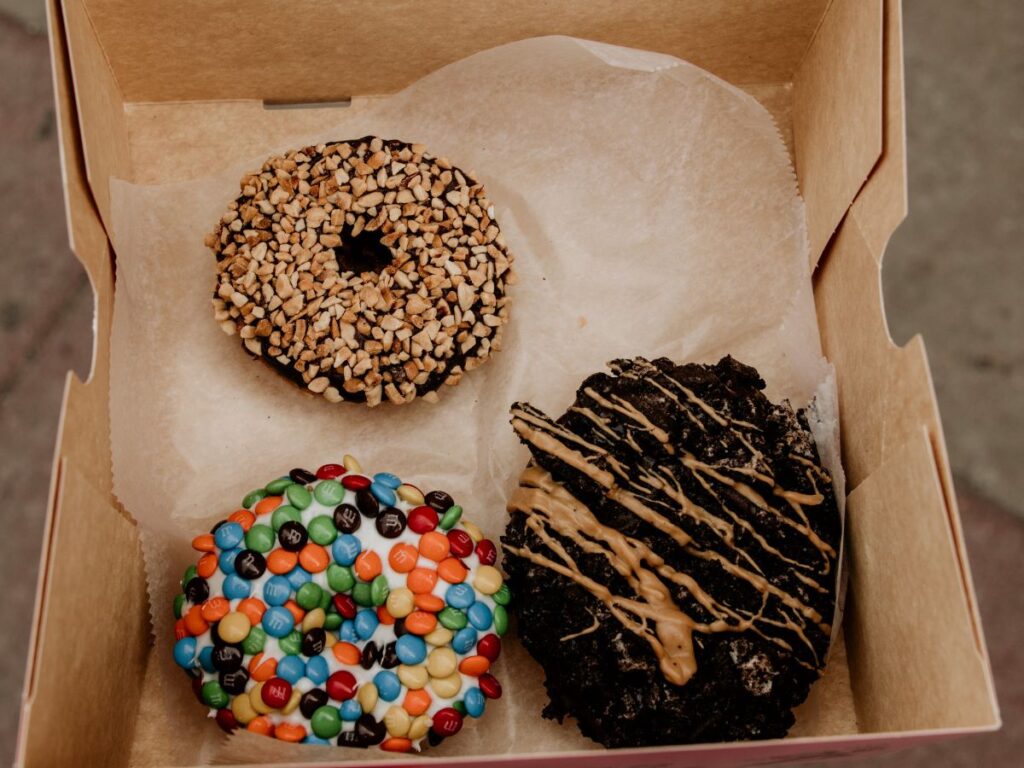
(341, 607)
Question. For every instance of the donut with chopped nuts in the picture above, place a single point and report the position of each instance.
(363, 270)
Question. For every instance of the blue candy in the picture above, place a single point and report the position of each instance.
(474, 701)
(464, 640)
(298, 576)
(410, 649)
(346, 549)
(278, 621)
(480, 616)
(185, 652)
(229, 536)
(388, 684)
(291, 668)
(236, 588)
(348, 632)
(460, 596)
(311, 739)
(317, 670)
(226, 561)
(387, 479)
(350, 710)
(277, 590)
(206, 659)
(384, 494)
(366, 622)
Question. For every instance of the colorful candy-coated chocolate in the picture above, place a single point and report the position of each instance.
(486, 552)
(447, 722)
(450, 517)
(423, 519)
(475, 702)
(489, 646)
(356, 482)
(330, 471)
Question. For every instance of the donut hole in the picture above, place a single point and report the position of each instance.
(363, 252)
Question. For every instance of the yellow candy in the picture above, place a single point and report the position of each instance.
(442, 662)
(350, 463)
(413, 678)
(256, 699)
(419, 727)
(400, 602)
(242, 709)
(447, 687)
(411, 495)
(397, 721)
(441, 636)
(473, 530)
(293, 702)
(367, 696)
(488, 579)
(234, 627)
(313, 619)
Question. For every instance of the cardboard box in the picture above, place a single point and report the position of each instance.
(140, 87)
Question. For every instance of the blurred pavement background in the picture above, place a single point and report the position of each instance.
(954, 271)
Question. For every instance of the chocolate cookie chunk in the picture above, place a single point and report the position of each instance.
(673, 548)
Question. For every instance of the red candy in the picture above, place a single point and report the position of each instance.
(330, 472)
(345, 605)
(341, 686)
(489, 647)
(276, 692)
(489, 686)
(356, 482)
(423, 519)
(226, 720)
(461, 543)
(447, 722)
(486, 551)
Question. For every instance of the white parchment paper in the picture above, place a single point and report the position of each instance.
(652, 209)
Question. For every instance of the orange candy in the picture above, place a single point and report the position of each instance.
(403, 557)
(207, 565)
(420, 622)
(474, 666)
(194, 621)
(180, 630)
(253, 608)
(416, 702)
(314, 558)
(260, 724)
(243, 517)
(346, 653)
(204, 543)
(215, 609)
(428, 602)
(295, 610)
(435, 546)
(367, 565)
(384, 617)
(289, 732)
(452, 570)
(281, 561)
(260, 670)
(421, 580)
(395, 744)
(267, 505)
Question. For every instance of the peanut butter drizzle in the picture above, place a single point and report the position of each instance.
(550, 508)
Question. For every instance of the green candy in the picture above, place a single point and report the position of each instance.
(298, 496)
(260, 538)
(254, 641)
(362, 593)
(325, 599)
(277, 486)
(254, 497)
(452, 618)
(179, 601)
(332, 621)
(321, 530)
(459, 707)
(450, 518)
(291, 643)
(340, 578)
(379, 590)
(326, 722)
(308, 596)
(503, 596)
(500, 620)
(329, 493)
(214, 696)
(190, 573)
(283, 514)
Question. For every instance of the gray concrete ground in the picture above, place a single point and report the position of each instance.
(954, 271)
